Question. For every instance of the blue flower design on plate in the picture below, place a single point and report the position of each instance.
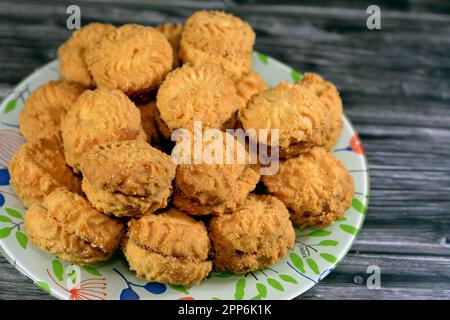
(4, 177)
(129, 293)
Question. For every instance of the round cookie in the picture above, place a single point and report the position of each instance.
(127, 178)
(71, 54)
(329, 95)
(172, 32)
(131, 58)
(258, 234)
(219, 38)
(294, 111)
(99, 116)
(213, 186)
(315, 186)
(196, 93)
(168, 247)
(66, 225)
(38, 168)
(44, 109)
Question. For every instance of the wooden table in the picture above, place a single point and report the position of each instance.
(395, 84)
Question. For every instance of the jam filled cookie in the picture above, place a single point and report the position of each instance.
(38, 168)
(131, 58)
(168, 247)
(127, 178)
(294, 111)
(315, 186)
(256, 235)
(46, 107)
(66, 225)
(71, 54)
(215, 186)
(196, 93)
(97, 117)
(219, 38)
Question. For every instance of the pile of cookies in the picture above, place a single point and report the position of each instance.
(96, 175)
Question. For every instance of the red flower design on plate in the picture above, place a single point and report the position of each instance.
(88, 289)
(355, 145)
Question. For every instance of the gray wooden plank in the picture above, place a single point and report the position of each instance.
(402, 277)
(14, 285)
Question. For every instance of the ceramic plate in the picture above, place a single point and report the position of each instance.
(316, 252)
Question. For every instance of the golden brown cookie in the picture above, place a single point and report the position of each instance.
(168, 247)
(329, 95)
(315, 186)
(44, 109)
(258, 234)
(249, 85)
(127, 178)
(131, 58)
(71, 54)
(293, 110)
(196, 93)
(149, 124)
(172, 32)
(38, 168)
(213, 186)
(162, 126)
(99, 116)
(66, 225)
(219, 38)
(246, 87)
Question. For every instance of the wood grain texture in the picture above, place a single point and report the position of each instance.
(395, 85)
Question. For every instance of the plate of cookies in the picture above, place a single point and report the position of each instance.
(175, 162)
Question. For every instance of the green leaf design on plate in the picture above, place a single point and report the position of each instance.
(296, 76)
(313, 265)
(22, 239)
(262, 290)
(240, 287)
(349, 229)
(58, 269)
(215, 298)
(180, 288)
(72, 275)
(92, 270)
(275, 284)
(298, 262)
(319, 233)
(287, 278)
(5, 232)
(13, 213)
(257, 297)
(328, 257)
(44, 286)
(343, 218)
(358, 206)
(262, 57)
(10, 106)
(328, 243)
(5, 219)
